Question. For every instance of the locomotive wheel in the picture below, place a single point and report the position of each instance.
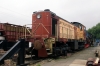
(37, 44)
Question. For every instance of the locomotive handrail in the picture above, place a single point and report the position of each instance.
(27, 29)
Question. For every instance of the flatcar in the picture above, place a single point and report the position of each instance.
(10, 33)
(55, 35)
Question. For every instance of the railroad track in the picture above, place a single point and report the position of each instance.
(30, 61)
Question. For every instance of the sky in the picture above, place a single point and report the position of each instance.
(20, 12)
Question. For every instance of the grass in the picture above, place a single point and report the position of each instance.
(38, 65)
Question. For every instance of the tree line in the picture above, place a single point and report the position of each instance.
(95, 31)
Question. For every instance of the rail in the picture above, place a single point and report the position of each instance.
(1, 44)
(27, 29)
(18, 47)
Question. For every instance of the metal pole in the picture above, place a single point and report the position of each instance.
(25, 31)
(21, 54)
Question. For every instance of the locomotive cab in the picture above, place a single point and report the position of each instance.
(80, 34)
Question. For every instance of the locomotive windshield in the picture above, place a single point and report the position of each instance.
(80, 27)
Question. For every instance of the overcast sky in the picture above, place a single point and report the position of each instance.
(20, 12)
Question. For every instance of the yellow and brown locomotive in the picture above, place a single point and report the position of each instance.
(55, 35)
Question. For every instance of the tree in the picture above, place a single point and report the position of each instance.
(95, 31)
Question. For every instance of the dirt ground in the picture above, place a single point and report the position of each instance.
(62, 61)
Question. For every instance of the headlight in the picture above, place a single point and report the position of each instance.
(38, 16)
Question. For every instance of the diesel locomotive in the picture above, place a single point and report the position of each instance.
(55, 35)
